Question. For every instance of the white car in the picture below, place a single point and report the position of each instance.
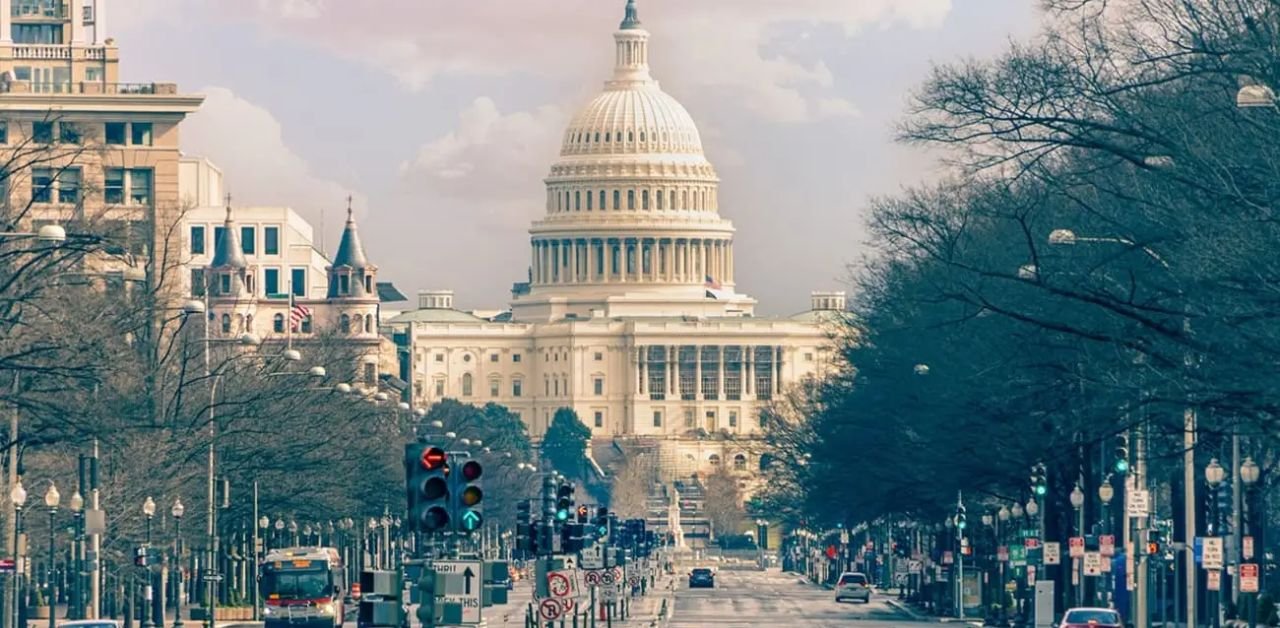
(853, 586)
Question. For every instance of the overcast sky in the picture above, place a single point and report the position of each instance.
(443, 116)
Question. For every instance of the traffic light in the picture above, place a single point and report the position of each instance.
(962, 520)
(427, 485)
(1154, 542)
(427, 598)
(1039, 479)
(601, 523)
(583, 511)
(524, 529)
(571, 538)
(468, 511)
(564, 502)
(1122, 454)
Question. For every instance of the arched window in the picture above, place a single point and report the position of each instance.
(631, 136)
(466, 384)
(368, 323)
(661, 197)
(577, 201)
(248, 323)
(226, 323)
(684, 199)
(589, 197)
(597, 136)
(368, 284)
(602, 200)
(608, 137)
(740, 462)
(714, 460)
(642, 136)
(644, 199)
(617, 199)
(277, 323)
(344, 324)
(306, 324)
(631, 199)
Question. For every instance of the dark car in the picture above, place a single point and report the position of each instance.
(702, 578)
(1091, 618)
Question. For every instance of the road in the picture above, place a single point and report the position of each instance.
(773, 598)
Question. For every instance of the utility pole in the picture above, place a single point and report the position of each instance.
(1189, 510)
(95, 542)
(1141, 605)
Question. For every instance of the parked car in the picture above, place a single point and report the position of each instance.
(1091, 618)
(853, 586)
(702, 577)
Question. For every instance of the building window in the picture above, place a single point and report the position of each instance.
(714, 460)
(41, 185)
(141, 134)
(140, 187)
(808, 357)
(248, 240)
(517, 387)
(597, 386)
(115, 133)
(298, 282)
(271, 282)
(68, 133)
(657, 418)
(515, 357)
(439, 388)
(711, 421)
(224, 284)
(306, 324)
(370, 373)
(644, 199)
(439, 357)
(69, 186)
(197, 239)
(344, 324)
(687, 365)
(690, 419)
(277, 323)
(271, 240)
(133, 185)
(589, 197)
(197, 282)
(226, 323)
(739, 462)
(599, 415)
(493, 357)
(601, 200)
(368, 323)
(42, 132)
(344, 284)
(495, 387)
(733, 418)
(113, 188)
(599, 356)
(466, 384)
(617, 199)
(631, 199)
(4, 132)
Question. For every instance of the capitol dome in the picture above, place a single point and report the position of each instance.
(632, 203)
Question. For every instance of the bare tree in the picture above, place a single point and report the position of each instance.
(632, 483)
(723, 502)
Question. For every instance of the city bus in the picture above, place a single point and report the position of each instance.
(302, 588)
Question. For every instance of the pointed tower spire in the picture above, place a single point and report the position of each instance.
(350, 250)
(632, 19)
(228, 253)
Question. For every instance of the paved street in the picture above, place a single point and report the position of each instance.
(774, 598)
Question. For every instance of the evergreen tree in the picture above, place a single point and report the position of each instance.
(565, 444)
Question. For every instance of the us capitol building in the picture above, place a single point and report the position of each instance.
(631, 315)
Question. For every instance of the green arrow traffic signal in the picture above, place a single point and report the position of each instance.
(471, 520)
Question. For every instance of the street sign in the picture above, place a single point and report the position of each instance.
(550, 609)
(1076, 544)
(461, 583)
(591, 577)
(1246, 547)
(7, 565)
(1211, 553)
(915, 567)
(1052, 553)
(1031, 543)
(1249, 578)
(1138, 503)
(1092, 564)
(593, 557)
(1107, 545)
(1031, 575)
(1002, 553)
(1018, 556)
(1213, 581)
(948, 558)
(560, 584)
(844, 537)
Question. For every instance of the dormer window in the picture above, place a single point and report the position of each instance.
(224, 283)
(368, 284)
(344, 284)
(344, 324)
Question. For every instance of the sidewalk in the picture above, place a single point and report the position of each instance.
(655, 608)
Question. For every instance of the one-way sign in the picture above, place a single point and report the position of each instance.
(457, 584)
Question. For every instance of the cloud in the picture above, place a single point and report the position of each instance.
(259, 167)
(698, 44)
(492, 158)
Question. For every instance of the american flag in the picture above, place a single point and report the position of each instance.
(712, 283)
(297, 314)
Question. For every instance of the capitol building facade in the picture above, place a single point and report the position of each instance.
(631, 314)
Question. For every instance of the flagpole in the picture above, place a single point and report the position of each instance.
(288, 334)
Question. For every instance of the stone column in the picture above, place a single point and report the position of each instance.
(777, 373)
(720, 392)
(667, 259)
(730, 255)
(573, 260)
(591, 260)
(6, 21)
(99, 21)
(77, 22)
(748, 357)
(641, 363)
(673, 371)
(533, 262)
(697, 372)
(654, 264)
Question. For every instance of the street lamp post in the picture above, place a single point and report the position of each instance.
(1017, 511)
(1077, 564)
(177, 513)
(1249, 476)
(18, 497)
(51, 501)
(1106, 493)
(1214, 475)
(1002, 517)
(279, 532)
(149, 511)
(76, 603)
